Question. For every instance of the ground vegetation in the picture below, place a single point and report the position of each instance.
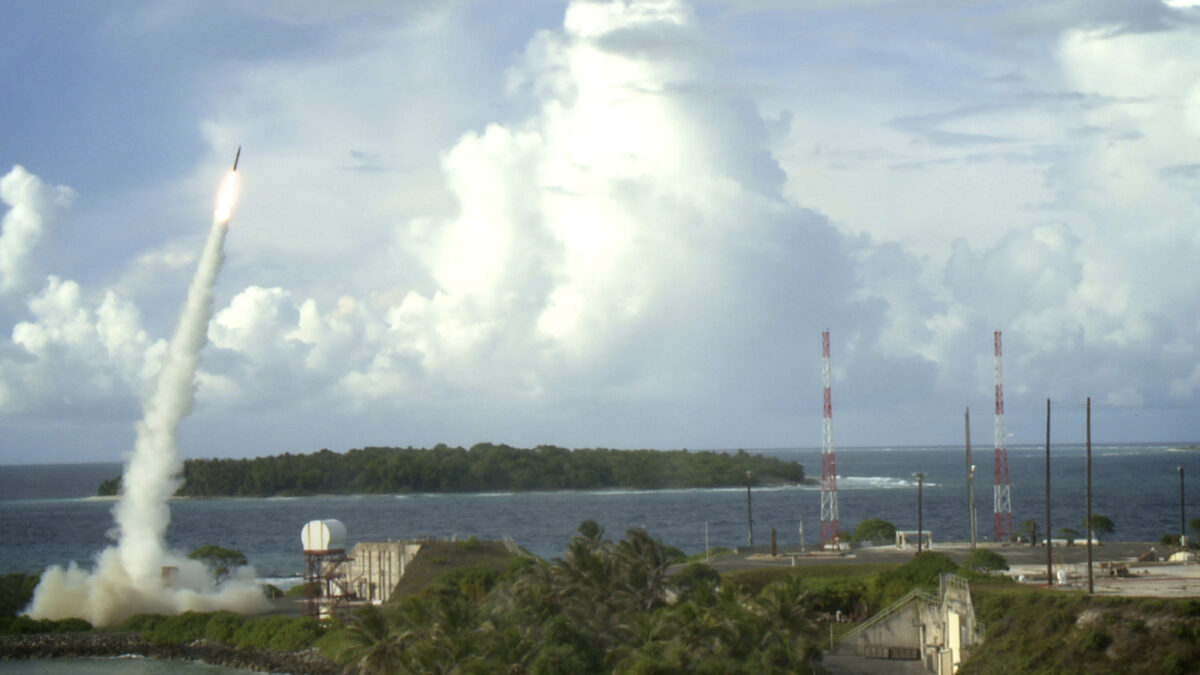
(1032, 630)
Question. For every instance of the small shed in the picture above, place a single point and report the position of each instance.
(905, 537)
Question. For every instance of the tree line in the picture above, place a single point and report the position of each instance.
(484, 467)
(601, 608)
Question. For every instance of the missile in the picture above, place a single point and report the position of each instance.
(236, 157)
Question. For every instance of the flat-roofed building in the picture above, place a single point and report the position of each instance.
(375, 567)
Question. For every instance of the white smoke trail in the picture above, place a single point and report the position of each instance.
(130, 578)
(150, 478)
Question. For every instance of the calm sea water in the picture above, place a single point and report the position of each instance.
(46, 516)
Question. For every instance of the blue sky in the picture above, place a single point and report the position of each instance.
(601, 224)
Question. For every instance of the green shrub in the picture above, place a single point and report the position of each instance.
(1174, 664)
(920, 572)
(179, 629)
(223, 626)
(141, 622)
(284, 633)
(752, 581)
(23, 625)
(16, 590)
(985, 560)
(830, 595)
(299, 590)
(1094, 640)
(472, 582)
(872, 529)
(694, 575)
(518, 565)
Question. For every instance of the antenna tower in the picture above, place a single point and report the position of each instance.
(1002, 517)
(829, 504)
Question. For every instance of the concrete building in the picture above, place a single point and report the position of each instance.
(373, 569)
(935, 627)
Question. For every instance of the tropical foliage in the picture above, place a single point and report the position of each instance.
(1031, 630)
(16, 590)
(1100, 525)
(483, 467)
(985, 560)
(281, 633)
(220, 561)
(872, 529)
(603, 607)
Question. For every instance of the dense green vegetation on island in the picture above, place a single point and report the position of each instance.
(482, 468)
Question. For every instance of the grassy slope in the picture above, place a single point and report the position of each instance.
(438, 557)
(1031, 630)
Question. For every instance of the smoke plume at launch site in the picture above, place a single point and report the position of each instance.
(139, 574)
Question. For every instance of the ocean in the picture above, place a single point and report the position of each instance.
(48, 516)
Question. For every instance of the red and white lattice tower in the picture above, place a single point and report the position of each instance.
(829, 505)
(1002, 517)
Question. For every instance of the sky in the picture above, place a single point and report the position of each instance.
(601, 224)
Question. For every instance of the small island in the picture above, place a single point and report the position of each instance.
(484, 467)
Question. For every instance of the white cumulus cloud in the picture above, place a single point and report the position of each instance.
(32, 207)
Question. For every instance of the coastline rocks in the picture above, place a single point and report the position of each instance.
(76, 645)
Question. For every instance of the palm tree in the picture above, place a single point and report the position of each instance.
(785, 609)
(374, 644)
(787, 604)
(642, 566)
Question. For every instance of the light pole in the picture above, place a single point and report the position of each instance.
(1182, 521)
(970, 483)
(749, 516)
(920, 525)
(1087, 518)
(1049, 560)
(974, 516)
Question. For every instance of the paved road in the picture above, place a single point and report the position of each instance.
(1146, 579)
(957, 551)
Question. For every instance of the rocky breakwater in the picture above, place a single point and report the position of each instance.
(88, 644)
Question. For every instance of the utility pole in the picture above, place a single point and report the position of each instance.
(1088, 499)
(970, 484)
(749, 516)
(1182, 521)
(920, 525)
(1049, 564)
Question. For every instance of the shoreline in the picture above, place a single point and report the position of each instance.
(49, 646)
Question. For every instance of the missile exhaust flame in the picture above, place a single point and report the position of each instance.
(129, 578)
(228, 192)
(226, 197)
